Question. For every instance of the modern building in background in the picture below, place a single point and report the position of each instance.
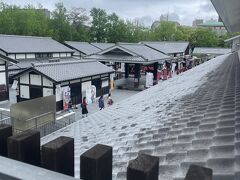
(197, 22)
(215, 26)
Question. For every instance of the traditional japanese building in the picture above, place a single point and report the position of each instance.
(31, 47)
(129, 59)
(82, 49)
(4, 89)
(171, 48)
(46, 79)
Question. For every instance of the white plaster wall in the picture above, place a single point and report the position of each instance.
(55, 54)
(30, 56)
(2, 78)
(47, 82)
(58, 93)
(62, 54)
(20, 56)
(24, 79)
(47, 92)
(105, 83)
(85, 85)
(35, 79)
(69, 54)
(11, 56)
(24, 92)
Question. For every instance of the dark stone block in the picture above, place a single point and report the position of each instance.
(199, 173)
(144, 167)
(5, 132)
(58, 155)
(96, 163)
(25, 147)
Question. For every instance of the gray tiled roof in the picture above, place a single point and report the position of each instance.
(7, 59)
(31, 44)
(168, 47)
(137, 53)
(26, 63)
(103, 46)
(216, 51)
(116, 58)
(83, 47)
(65, 71)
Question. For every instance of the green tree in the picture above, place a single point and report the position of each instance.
(60, 24)
(99, 23)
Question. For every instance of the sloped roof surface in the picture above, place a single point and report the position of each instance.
(168, 47)
(83, 47)
(217, 51)
(229, 11)
(31, 44)
(190, 119)
(103, 46)
(144, 51)
(72, 70)
(7, 59)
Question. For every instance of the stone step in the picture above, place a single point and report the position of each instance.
(169, 141)
(221, 165)
(207, 127)
(224, 151)
(198, 154)
(181, 147)
(223, 140)
(226, 130)
(205, 134)
(224, 177)
(228, 123)
(168, 171)
(175, 158)
(201, 143)
(186, 138)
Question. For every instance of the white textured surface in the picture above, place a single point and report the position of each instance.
(121, 125)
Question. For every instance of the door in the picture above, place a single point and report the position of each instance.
(35, 92)
(98, 84)
(76, 94)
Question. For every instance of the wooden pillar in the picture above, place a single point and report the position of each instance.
(96, 163)
(58, 155)
(144, 167)
(137, 75)
(25, 147)
(126, 70)
(199, 173)
(5, 132)
(155, 71)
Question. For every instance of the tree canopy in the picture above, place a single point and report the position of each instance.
(76, 25)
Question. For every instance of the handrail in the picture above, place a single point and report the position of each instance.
(39, 116)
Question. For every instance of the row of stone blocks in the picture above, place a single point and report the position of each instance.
(95, 164)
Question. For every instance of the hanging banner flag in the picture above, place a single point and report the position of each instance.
(66, 97)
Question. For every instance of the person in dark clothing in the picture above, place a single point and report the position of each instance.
(84, 107)
(101, 103)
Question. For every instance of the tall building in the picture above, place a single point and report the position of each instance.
(196, 22)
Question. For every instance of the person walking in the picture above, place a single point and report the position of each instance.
(101, 103)
(84, 107)
(109, 101)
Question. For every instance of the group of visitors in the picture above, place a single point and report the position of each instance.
(101, 104)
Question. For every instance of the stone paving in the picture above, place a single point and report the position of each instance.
(182, 121)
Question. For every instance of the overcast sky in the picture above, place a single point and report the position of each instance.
(183, 11)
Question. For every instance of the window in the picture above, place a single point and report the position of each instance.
(43, 55)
